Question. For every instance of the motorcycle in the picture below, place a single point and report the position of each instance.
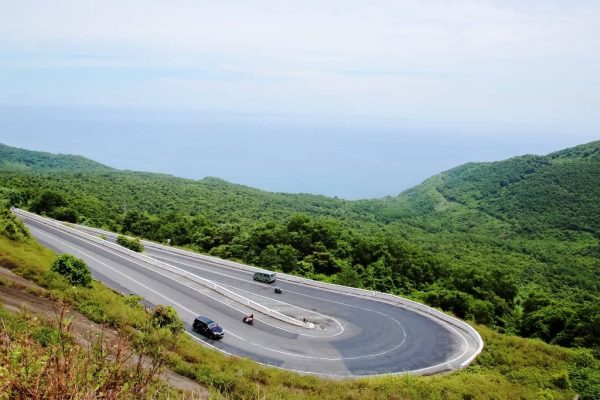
(277, 290)
(248, 319)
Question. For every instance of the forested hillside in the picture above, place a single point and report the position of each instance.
(511, 244)
(537, 218)
(19, 159)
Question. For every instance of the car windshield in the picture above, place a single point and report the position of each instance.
(213, 325)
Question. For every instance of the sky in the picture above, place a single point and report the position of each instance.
(348, 98)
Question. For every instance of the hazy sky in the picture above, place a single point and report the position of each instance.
(349, 98)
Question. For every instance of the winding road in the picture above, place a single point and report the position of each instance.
(353, 335)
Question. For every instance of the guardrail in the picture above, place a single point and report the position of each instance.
(467, 329)
(171, 268)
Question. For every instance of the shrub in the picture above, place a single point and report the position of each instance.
(561, 380)
(131, 243)
(65, 214)
(92, 310)
(10, 226)
(133, 300)
(73, 269)
(166, 317)
(45, 336)
(53, 366)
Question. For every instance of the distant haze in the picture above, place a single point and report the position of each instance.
(351, 98)
(351, 160)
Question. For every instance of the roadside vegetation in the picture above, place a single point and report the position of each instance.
(131, 243)
(509, 367)
(72, 269)
(39, 359)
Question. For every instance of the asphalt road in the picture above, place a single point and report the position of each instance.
(358, 336)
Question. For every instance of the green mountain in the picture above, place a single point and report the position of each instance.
(512, 244)
(560, 190)
(543, 208)
(19, 159)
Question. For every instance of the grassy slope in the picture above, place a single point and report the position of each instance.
(509, 367)
(39, 359)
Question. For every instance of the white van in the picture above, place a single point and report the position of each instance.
(265, 276)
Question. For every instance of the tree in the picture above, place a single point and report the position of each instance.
(288, 257)
(65, 214)
(10, 226)
(381, 276)
(323, 263)
(13, 197)
(73, 269)
(348, 277)
(47, 201)
(140, 224)
(281, 256)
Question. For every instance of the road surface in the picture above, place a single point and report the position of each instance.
(353, 336)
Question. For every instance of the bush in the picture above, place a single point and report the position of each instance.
(10, 226)
(92, 310)
(166, 317)
(561, 380)
(131, 243)
(65, 214)
(73, 269)
(45, 336)
(133, 300)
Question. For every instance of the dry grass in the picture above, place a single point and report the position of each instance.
(40, 360)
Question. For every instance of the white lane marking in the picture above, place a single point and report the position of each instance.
(299, 371)
(443, 323)
(344, 358)
(136, 262)
(192, 313)
(115, 270)
(265, 297)
(159, 273)
(208, 268)
(439, 322)
(266, 348)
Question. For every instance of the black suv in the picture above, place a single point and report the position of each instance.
(208, 328)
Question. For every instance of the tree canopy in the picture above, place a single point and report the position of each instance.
(511, 244)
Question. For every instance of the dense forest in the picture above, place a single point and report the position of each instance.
(511, 244)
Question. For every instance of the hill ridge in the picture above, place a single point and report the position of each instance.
(22, 159)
